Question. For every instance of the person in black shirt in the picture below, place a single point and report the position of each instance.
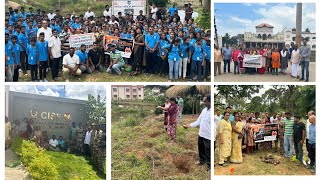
(141, 18)
(94, 57)
(299, 134)
(160, 13)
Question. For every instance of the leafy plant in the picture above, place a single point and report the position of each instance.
(16, 144)
(43, 168)
(96, 109)
(29, 151)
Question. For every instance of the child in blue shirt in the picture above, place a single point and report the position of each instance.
(207, 53)
(23, 42)
(43, 51)
(196, 57)
(10, 63)
(174, 59)
(16, 49)
(33, 59)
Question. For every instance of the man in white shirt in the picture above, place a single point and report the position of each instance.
(204, 139)
(107, 11)
(89, 14)
(217, 119)
(53, 144)
(87, 140)
(154, 10)
(46, 30)
(55, 54)
(295, 61)
(274, 119)
(310, 113)
(113, 21)
(71, 64)
(51, 14)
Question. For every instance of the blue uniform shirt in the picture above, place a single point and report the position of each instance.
(82, 56)
(192, 41)
(197, 52)
(75, 25)
(312, 134)
(207, 50)
(151, 40)
(184, 48)
(8, 51)
(32, 55)
(17, 49)
(42, 48)
(171, 10)
(174, 53)
(23, 38)
(163, 44)
(126, 36)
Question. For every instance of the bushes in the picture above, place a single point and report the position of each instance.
(16, 144)
(29, 151)
(42, 168)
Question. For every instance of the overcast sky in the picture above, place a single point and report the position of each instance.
(237, 18)
(69, 91)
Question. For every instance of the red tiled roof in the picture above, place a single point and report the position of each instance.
(264, 25)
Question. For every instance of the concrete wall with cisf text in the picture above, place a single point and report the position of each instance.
(52, 114)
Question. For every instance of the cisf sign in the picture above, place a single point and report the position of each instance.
(50, 115)
(128, 7)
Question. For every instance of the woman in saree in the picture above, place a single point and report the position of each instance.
(236, 151)
(173, 112)
(138, 52)
(44, 140)
(224, 139)
(250, 135)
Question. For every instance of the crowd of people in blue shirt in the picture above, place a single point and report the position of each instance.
(164, 43)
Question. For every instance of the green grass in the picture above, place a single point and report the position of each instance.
(70, 166)
(252, 165)
(142, 150)
(104, 77)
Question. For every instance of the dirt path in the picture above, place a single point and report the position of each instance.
(14, 173)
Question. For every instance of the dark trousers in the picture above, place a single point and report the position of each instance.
(43, 69)
(208, 68)
(299, 151)
(86, 149)
(23, 60)
(34, 72)
(307, 144)
(226, 63)
(194, 65)
(151, 59)
(55, 67)
(16, 74)
(204, 148)
(312, 154)
(163, 66)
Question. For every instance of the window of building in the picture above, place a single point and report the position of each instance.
(128, 96)
(314, 38)
(115, 96)
(134, 90)
(293, 38)
(139, 96)
(127, 89)
(314, 46)
(134, 96)
(114, 89)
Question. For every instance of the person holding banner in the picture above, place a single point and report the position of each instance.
(116, 60)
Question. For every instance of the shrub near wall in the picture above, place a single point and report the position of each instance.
(37, 162)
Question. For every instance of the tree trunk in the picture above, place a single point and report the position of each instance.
(207, 5)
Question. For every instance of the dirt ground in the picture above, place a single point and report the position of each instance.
(14, 173)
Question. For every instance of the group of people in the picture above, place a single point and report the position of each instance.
(274, 60)
(163, 44)
(89, 140)
(236, 133)
(172, 110)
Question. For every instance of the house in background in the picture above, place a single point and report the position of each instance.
(125, 92)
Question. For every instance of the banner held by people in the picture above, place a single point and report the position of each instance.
(78, 39)
(128, 7)
(266, 132)
(253, 61)
(125, 46)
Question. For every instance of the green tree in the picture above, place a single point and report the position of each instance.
(158, 3)
(96, 109)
